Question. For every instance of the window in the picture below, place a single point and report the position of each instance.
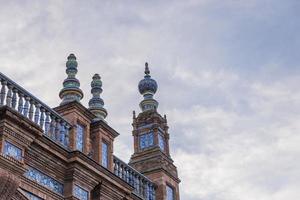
(12, 151)
(170, 193)
(80, 193)
(79, 137)
(146, 140)
(44, 180)
(104, 154)
(31, 196)
(161, 142)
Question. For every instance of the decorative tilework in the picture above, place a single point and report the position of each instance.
(170, 193)
(31, 196)
(12, 151)
(104, 154)
(146, 140)
(44, 180)
(80, 193)
(79, 137)
(161, 142)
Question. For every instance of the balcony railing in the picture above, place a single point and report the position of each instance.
(143, 187)
(16, 97)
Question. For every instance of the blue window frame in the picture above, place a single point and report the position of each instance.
(104, 154)
(44, 180)
(80, 193)
(170, 193)
(146, 140)
(12, 151)
(79, 137)
(161, 142)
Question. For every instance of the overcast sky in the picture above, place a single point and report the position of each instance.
(228, 73)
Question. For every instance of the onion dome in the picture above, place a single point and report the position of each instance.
(147, 88)
(71, 91)
(96, 103)
(147, 85)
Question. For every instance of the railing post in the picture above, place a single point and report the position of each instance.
(20, 104)
(3, 92)
(9, 95)
(14, 99)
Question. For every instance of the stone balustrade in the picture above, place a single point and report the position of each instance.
(143, 187)
(16, 97)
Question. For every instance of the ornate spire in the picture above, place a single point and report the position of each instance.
(147, 88)
(96, 103)
(71, 91)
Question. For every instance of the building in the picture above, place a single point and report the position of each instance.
(67, 152)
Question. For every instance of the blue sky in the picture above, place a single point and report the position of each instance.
(228, 75)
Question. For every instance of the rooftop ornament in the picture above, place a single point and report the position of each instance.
(71, 91)
(147, 88)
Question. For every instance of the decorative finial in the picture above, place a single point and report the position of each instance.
(71, 91)
(147, 71)
(133, 114)
(148, 87)
(96, 104)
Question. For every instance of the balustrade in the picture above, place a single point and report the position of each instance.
(143, 187)
(53, 125)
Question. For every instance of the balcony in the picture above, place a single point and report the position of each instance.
(52, 124)
(143, 187)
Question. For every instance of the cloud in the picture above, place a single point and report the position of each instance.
(228, 75)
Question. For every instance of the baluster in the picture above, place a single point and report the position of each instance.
(57, 129)
(37, 113)
(67, 135)
(31, 109)
(119, 169)
(125, 174)
(9, 95)
(115, 167)
(42, 118)
(3, 92)
(14, 99)
(52, 127)
(132, 178)
(26, 106)
(47, 124)
(62, 132)
(20, 104)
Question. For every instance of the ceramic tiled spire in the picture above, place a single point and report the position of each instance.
(71, 91)
(148, 87)
(96, 104)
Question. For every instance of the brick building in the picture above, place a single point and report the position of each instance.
(67, 152)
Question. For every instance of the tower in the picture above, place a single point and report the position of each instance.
(151, 143)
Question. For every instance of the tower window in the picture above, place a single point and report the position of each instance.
(161, 142)
(146, 140)
(170, 193)
(104, 154)
(12, 151)
(80, 193)
(79, 137)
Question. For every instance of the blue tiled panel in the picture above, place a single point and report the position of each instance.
(104, 154)
(161, 142)
(79, 137)
(44, 180)
(31, 196)
(170, 193)
(12, 151)
(80, 193)
(146, 140)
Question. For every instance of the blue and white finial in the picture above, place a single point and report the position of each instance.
(96, 104)
(147, 88)
(71, 91)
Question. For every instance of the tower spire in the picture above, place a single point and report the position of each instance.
(96, 103)
(71, 91)
(147, 88)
